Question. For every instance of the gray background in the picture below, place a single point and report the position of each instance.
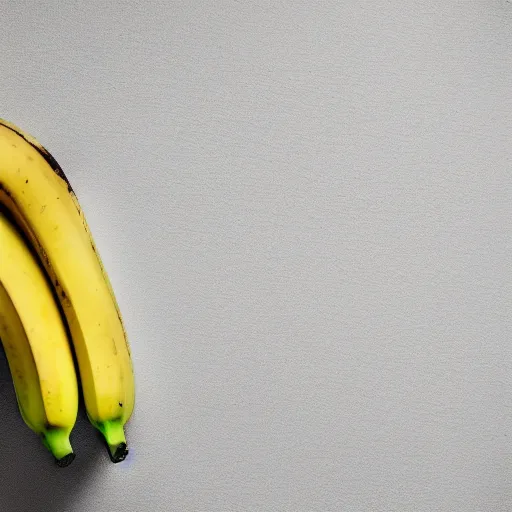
(305, 210)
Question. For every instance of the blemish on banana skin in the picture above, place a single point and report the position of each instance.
(48, 157)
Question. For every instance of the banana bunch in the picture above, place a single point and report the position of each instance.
(56, 301)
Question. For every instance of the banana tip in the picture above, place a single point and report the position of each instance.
(119, 453)
(66, 460)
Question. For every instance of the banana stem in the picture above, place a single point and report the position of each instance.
(57, 441)
(113, 432)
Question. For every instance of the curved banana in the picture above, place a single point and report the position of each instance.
(35, 190)
(36, 345)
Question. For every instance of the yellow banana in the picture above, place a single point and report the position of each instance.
(36, 345)
(35, 190)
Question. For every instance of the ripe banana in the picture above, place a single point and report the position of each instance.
(36, 346)
(35, 190)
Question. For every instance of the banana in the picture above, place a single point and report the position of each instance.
(35, 190)
(36, 346)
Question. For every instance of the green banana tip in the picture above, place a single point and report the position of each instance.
(113, 432)
(57, 441)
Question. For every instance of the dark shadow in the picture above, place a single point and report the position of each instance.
(29, 478)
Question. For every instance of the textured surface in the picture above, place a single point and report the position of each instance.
(305, 212)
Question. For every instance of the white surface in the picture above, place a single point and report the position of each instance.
(305, 211)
